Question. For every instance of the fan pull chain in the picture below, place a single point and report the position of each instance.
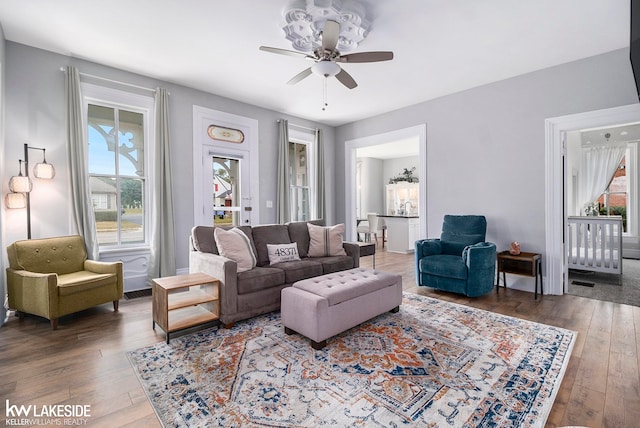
(324, 94)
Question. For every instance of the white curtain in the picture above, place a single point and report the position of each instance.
(283, 206)
(321, 201)
(162, 261)
(83, 215)
(598, 164)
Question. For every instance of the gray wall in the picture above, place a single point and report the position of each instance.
(372, 187)
(35, 100)
(486, 146)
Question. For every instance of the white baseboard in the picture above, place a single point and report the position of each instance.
(631, 254)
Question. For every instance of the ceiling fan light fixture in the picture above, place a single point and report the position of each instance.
(325, 68)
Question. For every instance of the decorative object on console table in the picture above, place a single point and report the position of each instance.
(185, 301)
(514, 248)
(528, 264)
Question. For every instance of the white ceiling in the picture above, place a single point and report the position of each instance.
(440, 46)
(624, 133)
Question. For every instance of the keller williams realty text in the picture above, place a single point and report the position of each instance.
(56, 414)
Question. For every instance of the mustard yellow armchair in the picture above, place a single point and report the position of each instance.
(52, 277)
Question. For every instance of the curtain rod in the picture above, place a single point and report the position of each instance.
(112, 81)
(300, 126)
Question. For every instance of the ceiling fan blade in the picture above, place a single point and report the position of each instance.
(330, 34)
(346, 79)
(285, 52)
(366, 57)
(298, 77)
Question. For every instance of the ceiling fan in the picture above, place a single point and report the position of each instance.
(327, 57)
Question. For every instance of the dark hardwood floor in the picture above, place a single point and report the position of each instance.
(85, 361)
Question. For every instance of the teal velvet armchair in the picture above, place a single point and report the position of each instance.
(460, 261)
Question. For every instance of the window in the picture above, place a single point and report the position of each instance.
(300, 186)
(614, 200)
(618, 198)
(117, 136)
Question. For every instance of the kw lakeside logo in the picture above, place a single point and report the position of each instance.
(56, 414)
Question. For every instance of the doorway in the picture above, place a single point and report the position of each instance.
(556, 179)
(225, 168)
(418, 132)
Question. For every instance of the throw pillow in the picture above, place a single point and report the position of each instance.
(235, 245)
(282, 252)
(326, 241)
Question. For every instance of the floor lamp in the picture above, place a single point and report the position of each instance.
(21, 185)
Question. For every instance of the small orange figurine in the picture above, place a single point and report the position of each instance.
(514, 248)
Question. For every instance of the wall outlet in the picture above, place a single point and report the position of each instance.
(269, 204)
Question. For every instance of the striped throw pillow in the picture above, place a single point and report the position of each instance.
(326, 241)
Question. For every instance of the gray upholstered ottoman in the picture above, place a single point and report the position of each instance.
(324, 306)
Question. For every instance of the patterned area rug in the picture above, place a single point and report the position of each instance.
(434, 363)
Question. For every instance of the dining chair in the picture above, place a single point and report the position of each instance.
(370, 228)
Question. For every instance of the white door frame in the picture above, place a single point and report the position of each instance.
(555, 182)
(202, 143)
(419, 131)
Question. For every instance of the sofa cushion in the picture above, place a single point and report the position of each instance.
(444, 265)
(282, 252)
(299, 270)
(259, 278)
(203, 239)
(234, 244)
(332, 264)
(299, 233)
(76, 282)
(326, 241)
(269, 234)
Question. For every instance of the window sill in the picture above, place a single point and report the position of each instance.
(126, 250)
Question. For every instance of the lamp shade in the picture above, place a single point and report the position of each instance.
(15, 200)
(44, 170)
(20, 184)
(325, 68)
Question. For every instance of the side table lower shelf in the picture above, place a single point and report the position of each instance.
(185, 301)
(182, 318)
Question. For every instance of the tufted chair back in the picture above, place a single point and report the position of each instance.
(61, 255)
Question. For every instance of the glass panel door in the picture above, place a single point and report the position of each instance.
(226, 191)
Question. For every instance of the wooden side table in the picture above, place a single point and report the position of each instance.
(528, 264)
(184, 301)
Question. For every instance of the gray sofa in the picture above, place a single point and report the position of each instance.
(257, 291)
